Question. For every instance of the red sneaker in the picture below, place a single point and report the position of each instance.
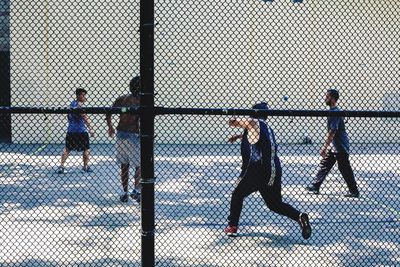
(231, 230)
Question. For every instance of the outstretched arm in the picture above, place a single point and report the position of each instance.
(243, 123)
(249, 124)
(233, 138)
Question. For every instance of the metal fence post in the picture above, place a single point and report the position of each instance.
(5, 80)
(147, 130)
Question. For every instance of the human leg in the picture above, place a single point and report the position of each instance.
(122, 157)
(84, 146)
(347, 173)
(64, 156)
(124, 182)
(244, 188)
(85, 156)
(137, 177)
(136, 194)
(325, 167)
(125, 177)
(133, 148)
(70, 141)
(273, 198)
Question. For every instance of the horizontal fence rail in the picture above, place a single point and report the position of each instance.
(202, 111)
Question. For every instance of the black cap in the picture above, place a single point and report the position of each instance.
(261, 105)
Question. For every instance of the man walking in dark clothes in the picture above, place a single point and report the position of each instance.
(335, 148)
(261, 171)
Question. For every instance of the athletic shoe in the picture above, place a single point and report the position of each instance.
(135, 195)
(312, 189)
(305, 225)
(353, 194)
(124, 198)
(61, 170)
(231, 230)
(87, 169)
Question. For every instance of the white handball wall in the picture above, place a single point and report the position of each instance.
(58, 46)
(210, 54)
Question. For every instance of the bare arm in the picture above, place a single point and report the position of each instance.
(328, 140)
(88, 124)
(111, 130)
(251, 125)
(248, 124)
(233, 138)
(86, 120)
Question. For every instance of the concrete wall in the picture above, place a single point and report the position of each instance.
(210, 54)
(58, 46)
(231, 54)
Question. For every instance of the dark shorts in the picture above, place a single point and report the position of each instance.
(77, 141)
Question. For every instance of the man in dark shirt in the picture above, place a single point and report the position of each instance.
(261, 172)
(335, 148)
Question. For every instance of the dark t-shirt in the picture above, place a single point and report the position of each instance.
(341, 140)
(76, 124)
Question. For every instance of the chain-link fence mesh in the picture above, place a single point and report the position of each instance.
(208, 54)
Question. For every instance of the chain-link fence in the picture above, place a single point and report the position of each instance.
(208, 55)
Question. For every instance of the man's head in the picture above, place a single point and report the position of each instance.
(331, 97)
(134, 86)
(261, 105)
(81, 94)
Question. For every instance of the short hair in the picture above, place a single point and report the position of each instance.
(334, 93)
(134, 85)
(80, 91)
(261, 105)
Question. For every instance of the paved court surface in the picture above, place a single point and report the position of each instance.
(75, 219)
